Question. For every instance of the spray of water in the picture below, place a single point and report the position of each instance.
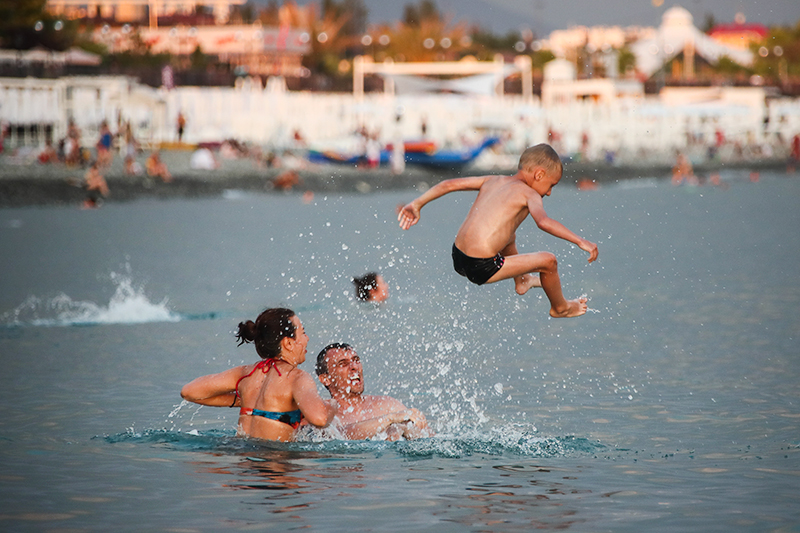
(128, 305)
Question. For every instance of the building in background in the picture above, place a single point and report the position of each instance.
(739, 34)
(137, 11)
(678, 48)
(565, 43)
(184, 27)
(561, 86)
(249, 48)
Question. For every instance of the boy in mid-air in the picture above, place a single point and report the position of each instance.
(485, 248)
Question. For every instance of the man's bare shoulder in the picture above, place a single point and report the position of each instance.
(383, 402)
(371, 406)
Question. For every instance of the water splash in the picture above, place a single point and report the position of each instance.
(128, 305)
(510, 439)
(506, 440)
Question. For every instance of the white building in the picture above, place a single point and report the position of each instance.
(136, 10)
(677, 36)
(560, 86)
(260, 50)
(564, 43)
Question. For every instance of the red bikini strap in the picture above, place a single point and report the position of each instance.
(264, 365)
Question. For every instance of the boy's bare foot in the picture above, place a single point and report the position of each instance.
(574, 308)
(526, 281)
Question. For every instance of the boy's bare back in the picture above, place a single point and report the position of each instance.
(485, 248)
(499, 209)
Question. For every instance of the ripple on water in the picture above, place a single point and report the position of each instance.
(507, 440)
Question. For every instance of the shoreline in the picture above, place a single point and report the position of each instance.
(24, 183)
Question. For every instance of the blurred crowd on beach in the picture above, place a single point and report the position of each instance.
(120, 154)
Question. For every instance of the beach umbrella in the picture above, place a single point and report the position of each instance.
(37, 55)
(76, 56)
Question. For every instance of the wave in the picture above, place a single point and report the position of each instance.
(510, 439)
(128, 305)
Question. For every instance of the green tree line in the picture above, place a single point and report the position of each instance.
(338, 32)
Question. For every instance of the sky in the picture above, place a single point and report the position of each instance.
(544, 16)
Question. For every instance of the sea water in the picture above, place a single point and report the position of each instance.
(673, 405)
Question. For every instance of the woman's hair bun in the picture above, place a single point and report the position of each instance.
(271, 326)
(247, 332)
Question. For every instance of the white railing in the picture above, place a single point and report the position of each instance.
(251, 114)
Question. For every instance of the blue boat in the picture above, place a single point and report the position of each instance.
(331, 156)
(453, 160)
(450, 159)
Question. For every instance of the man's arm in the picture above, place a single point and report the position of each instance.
(409, 215)
(366, 429)
(417, 427)
(391, 416)
(557, 229)
(317, 411)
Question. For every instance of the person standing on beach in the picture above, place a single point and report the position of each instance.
(683, 171)
(104, 155)
(156, 168)
(373, 151)
(48, 155)
(794, 154)
(96, 187)
(398, 154)
(485, 249)
(73, 149)
(5, 131)
(274, 395)
(181, 123)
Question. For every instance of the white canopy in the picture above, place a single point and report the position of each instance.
(479, 84)
(76, 56)
(73, 56)
(676, 32)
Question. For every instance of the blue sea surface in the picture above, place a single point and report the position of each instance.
(673, 405)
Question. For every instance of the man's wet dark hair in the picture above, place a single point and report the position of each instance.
(322, 365)
(365, 284)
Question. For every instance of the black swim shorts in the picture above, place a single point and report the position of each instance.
(478, 271)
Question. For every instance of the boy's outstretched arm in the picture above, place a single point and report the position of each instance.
(557, 229)
(409, 214)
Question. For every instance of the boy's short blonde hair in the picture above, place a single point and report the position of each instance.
(541, 155)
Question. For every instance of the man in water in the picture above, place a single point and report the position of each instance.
(364, 416)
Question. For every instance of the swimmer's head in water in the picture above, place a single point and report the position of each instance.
(267, 331)
(339, 369)
(371, 287)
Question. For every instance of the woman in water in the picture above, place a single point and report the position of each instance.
(273, 394)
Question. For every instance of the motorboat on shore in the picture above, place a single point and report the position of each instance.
(450, 159)
(421, 153)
